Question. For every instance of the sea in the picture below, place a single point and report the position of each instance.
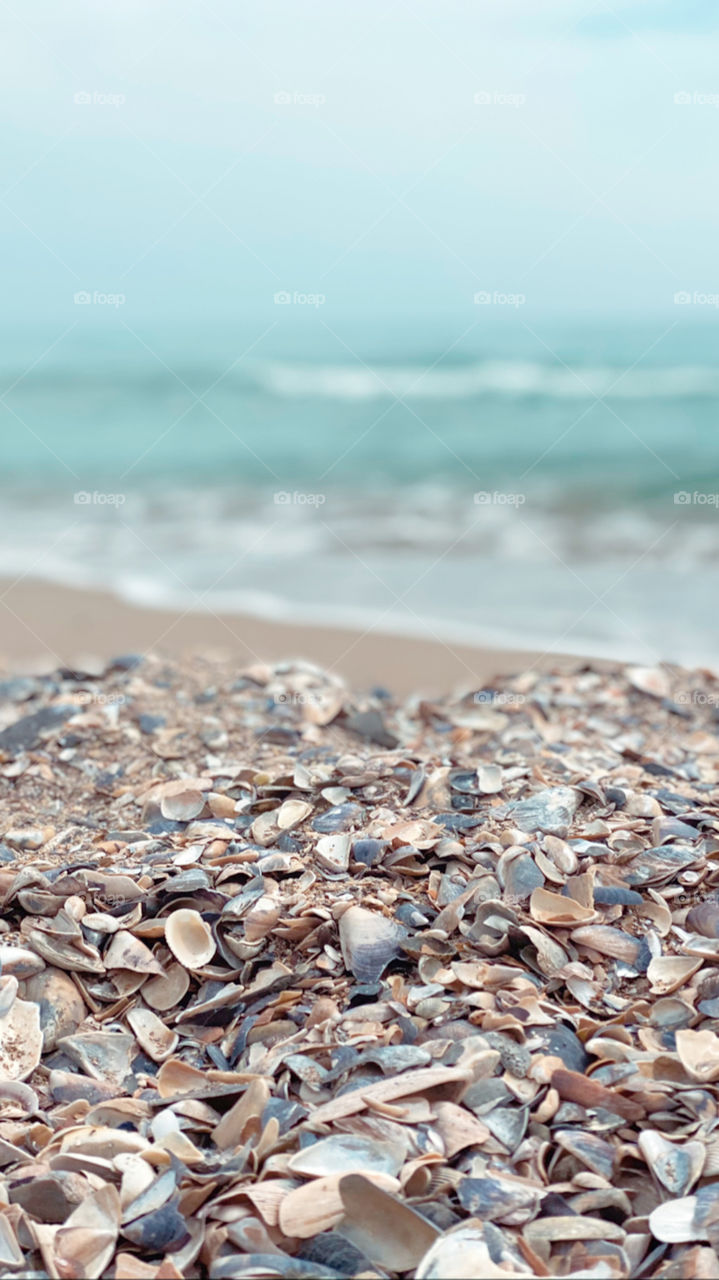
(546, 484)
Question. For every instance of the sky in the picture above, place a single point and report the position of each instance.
(196, 157)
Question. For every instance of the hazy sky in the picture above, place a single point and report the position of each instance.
(429, 149)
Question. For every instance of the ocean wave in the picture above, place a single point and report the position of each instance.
(512, 378)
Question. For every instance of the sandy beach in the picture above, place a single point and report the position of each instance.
(43, 625)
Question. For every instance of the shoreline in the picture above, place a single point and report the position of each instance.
(43, 625)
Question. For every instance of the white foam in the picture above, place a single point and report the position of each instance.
(489, 377)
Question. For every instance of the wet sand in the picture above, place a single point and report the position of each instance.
(43, 625)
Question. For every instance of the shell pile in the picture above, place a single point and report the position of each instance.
(303, 983)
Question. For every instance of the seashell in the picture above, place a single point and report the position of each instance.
(261, 918)
(230, 1131)
(9, 987)
(189, 938)
(673, 1221)
(259, 1266)
(161, 1231)
(128, 952)
(698, 1053)
(333, 852)
(339, 818)
(553, 908)
(521, 876)
(20, 1039)
(563, 855)
(77, 956)
(368, 852)
(498, 1199)
(85, 1243)
(462, 1253)
(319, 1206)
(348, 1153)
(676, 1165)
(369, 942)
(668, 973)
(616, 895)
(153, 1037)
(391, 1234)
(457, 1128)
(402, 1086)
(151, 1197)
(59, 1002)
(336, 1253)
(613, 942)
(165, 992)
(507, 1124)
(182, 805)
(704, 919)
(29, 837)
(651, 680)
(292, 812)
(17, 1099)
(490, 778)
(654, 866)
(11, 1256)
(264, 829)
(574, 1228)
(19, 962)
(105, 1056)
(550, 811)
(590, 1093)
(550, 957)
(596, 1154)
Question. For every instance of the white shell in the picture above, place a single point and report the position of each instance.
(190, 940)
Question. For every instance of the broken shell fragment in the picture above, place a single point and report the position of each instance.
(128, 952)
(333, 852)
(677, 1165)
(20, 1039)
(387, 1231)
(550, 811)
(157, 1041)
(348, 1153)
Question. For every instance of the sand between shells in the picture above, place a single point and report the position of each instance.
(301, 982)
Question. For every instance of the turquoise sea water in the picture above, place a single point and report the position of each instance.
(332, 476)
